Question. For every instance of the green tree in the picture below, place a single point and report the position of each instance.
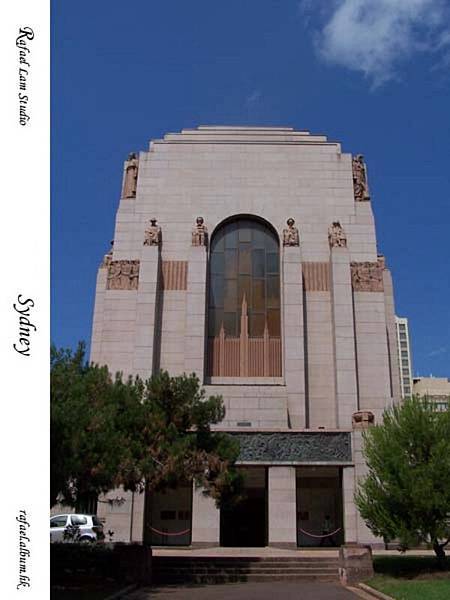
(406, 493)
(85, 438)
(108, 432)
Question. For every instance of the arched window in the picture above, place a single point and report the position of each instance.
(244, 332)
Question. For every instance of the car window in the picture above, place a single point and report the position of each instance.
(78, 520)
(58, 521)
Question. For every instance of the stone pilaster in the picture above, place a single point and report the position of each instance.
(97, 323)
(319, 334)
(194, 345)
(138, 507)
(372, 352)
(294, 359)
(146, 333)
(364, 535)
(350, 512)
(205, 520)
(282, 507)
(344, 337)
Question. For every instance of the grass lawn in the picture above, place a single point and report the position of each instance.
(411, 578)
(412, 589)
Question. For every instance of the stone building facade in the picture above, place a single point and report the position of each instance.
(435, 389)
(248, 255)
(404, 356)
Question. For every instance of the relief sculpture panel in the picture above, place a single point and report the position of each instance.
(368, 276)
(123, 275)
(294, 447)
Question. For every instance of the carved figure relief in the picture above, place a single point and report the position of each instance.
(360, 185)
(131, 175)
(123, 275)
(153, 234)
(363, 419)
(108, 257)
(294, 447)
(200, 233)
(368, 276)
(290, 234)
(336, 236)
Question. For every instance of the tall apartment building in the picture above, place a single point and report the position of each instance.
(248, 255)
(404, 356)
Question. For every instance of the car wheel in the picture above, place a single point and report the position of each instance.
(86, 539)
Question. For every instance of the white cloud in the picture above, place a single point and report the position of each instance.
(253, 98)
(375, 36)
(438, 351)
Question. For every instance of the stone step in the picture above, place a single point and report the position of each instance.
(223, 569)
(236, 560)
(248, 569)
(256, 577)
(244, 565)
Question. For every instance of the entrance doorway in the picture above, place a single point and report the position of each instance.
(245, 525)
(170, 517)
(319, 506)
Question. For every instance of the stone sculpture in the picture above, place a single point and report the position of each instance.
(131, 174)
(108, 256)
(290, 234)
(134, 275)
(363, 419)
(368, 276)
(200, 233)
(336, 236)
(123, 275)
(153, 234)
(360, 186)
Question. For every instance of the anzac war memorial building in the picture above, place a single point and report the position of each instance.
(248, 255)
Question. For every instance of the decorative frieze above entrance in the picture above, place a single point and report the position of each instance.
(368, 276)
(123, 275)
(295, 447)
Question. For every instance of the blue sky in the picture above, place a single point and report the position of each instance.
(373, 74)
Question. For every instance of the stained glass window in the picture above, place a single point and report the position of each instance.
(244, 262)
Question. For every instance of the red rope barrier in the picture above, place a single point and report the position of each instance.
(167, 533)
(320, 536)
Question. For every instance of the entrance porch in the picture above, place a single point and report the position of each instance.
(284, 507)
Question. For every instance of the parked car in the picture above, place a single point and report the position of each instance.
(76, 528)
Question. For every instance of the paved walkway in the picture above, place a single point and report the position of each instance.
(247, 591)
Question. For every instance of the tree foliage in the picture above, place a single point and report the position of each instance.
(406, 493)
(107, 432)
